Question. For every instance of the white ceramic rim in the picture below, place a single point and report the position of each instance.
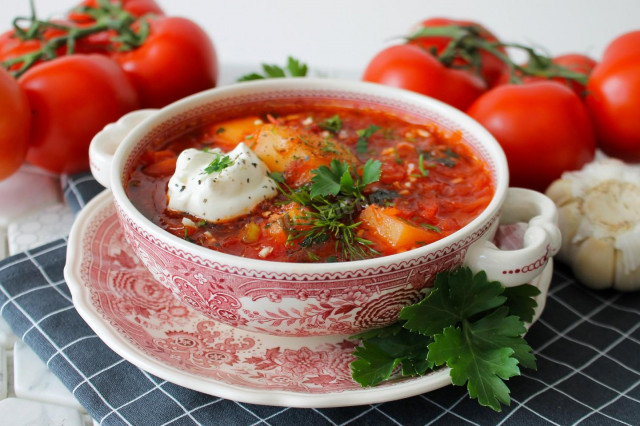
(466, 124)
(109, 335)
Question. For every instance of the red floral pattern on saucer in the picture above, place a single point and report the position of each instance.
(142, 321)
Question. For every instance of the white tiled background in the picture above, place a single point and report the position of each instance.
(29, 393)
(327, 34)
(331, 34)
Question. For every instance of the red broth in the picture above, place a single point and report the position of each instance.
(411, 205)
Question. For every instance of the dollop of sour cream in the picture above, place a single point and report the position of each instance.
(216, 186)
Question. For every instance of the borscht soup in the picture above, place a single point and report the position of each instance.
(310, 182)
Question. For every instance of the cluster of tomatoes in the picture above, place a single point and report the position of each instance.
(549, 114)
(62, 81)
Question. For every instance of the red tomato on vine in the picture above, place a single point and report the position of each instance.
(543, 128)
(177, 59)
(136, 8)
(71, 99)
(492, 68)
(413, 68)
(613, 98)
(572, 62)
(14, 125)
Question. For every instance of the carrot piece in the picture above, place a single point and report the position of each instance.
(230, 133)
(394, 232)
(164, 167)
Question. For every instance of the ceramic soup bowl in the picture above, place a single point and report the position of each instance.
(295, 299)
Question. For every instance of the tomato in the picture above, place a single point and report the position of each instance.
(135, 7)
(102, 42)
(14, 124)
(411, 67)
(625, 46)
(12, 47)
(575, 62)
(491, 67)
(176, 60)
(613, 98)
(543, 127)
(71, 99)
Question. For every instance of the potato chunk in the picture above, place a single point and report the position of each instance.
(295, 153)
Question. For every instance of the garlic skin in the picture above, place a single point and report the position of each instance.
(599, 216)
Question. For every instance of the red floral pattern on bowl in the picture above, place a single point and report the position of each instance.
(142, 321)
(316, 299)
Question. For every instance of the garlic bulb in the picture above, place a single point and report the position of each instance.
(599, 216)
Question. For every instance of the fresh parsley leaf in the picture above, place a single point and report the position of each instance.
(326, 181)
(277, 176)
(219, 163)
(362, 145)
(472, 325)
(499, 329)
(251, 76)
(273, 71)
(294, 68)
(457, 295)
(332, 124)
(346, 182)
(371, 172)
(332, 199)
(521, 301)
(484, 369)
(379, 355)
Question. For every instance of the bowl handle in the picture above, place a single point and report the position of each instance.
(541, 240)
(104, 143)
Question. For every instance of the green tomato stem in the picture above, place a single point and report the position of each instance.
(107, 16)
(467, 41)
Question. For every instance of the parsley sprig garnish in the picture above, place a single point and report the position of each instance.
(472, 325)
(362, 145)
(332, 124)
(219, 163)
(294, 68)
(331, 202)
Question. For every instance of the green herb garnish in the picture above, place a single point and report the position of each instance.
(382, 197)
(396, 156)
(277, 176)
(363, 138)
(449, 159)
(294, 68)
(332, 124)
(333, 199)
(431, 227)
(473, 325)
(424, 171)
(218, 164)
